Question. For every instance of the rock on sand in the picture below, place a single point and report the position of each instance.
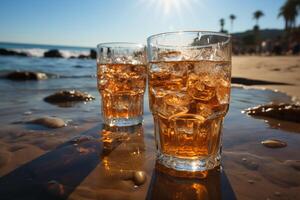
(53, 53)
(272, 143)
(6, 52)
(68, 95)
(288, 112)
(50, 122)
(26, 75)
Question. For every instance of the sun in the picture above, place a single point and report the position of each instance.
(168, 7)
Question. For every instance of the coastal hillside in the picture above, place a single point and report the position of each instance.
(264, 34)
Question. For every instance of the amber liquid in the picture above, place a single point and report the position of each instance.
(122, 88)
(188, 100)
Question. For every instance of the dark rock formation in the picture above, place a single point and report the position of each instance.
(93, 54)
(67, 97)
(5, 52)
(288, 112)
(26, 76)
(83, 56)
(53, 53)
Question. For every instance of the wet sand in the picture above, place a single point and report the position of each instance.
(43, 163)
(284, 69)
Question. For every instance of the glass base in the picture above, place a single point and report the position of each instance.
(189, 165)
(123, 121)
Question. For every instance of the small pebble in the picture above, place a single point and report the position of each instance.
(27, 113)
(82, 150)
(273, 143)
(50, 122)
(250, 181)
(278, 194)
(139, 177)
(55, 188)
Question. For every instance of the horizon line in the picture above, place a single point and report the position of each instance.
(67, 45)
(43, 44)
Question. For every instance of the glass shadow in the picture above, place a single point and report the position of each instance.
(56, 174)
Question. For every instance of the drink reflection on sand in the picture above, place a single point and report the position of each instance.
(129, 154)
(122, 171)
(165, 186)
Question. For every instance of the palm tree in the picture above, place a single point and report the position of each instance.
(289, 11)
(232, 17)
(256, 15)
(222, 23)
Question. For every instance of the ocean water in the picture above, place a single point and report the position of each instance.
(63, 73)
(55, 67)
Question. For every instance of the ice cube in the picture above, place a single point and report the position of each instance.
(186, 123)
(179, 69)
(177, 99)
(174, 103)
(155, 97)
(204, 67)
(201, 87)
(110, 86)
(223, 91)
(204, 110)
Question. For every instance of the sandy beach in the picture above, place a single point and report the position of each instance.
(154, 100)
(284, 69)
(28, 149)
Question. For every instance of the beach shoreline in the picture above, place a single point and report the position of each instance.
(24, 144)
(282, 69)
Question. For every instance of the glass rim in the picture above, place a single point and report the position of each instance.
(120, 45)
(152, 37)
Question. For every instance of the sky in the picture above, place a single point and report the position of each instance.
(89, 22)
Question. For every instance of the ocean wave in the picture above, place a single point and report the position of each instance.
(68, 53)
(32, 52)
(77, 76)
(35, 52)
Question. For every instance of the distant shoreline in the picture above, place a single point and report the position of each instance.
(29, 50)
(44, 45)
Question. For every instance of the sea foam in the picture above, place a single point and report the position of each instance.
(36, 52)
